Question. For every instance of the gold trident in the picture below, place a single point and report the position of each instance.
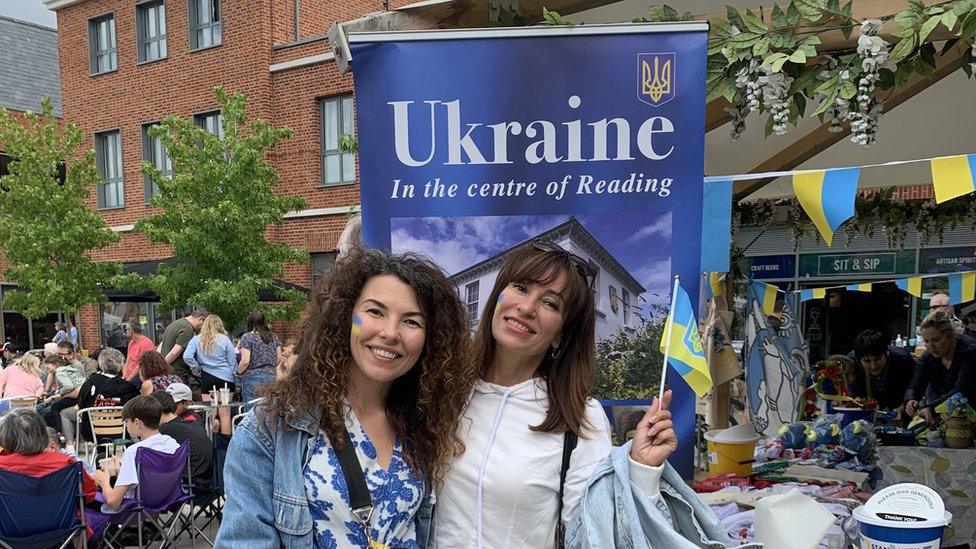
(657, 83)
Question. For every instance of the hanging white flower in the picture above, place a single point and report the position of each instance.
(776, 89)
(873, 52)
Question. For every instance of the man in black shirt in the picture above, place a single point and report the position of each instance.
(201, 447)
(881, 372)
(104, 388)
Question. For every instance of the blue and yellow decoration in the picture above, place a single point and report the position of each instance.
(357, 323)
(912, 285)
(715, 286)
(813, 293)
(686, 353)
(953, 176)
(656, 80)
(827, 196)
(962, 288)
(862, 287)
(766, 294)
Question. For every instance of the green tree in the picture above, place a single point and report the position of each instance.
(47, 231)
(215, 210)
(629, 366)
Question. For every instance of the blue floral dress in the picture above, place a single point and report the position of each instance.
(396, 492)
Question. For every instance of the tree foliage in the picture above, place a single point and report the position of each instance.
(215, 209)
(47, 231)
(629, 365)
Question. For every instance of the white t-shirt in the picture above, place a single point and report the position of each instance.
(128, 475)
(517, 470)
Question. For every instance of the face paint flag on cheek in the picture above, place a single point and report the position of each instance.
(356, 323)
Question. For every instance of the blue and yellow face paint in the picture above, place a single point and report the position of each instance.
(357, 323)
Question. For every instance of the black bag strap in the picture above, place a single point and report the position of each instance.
(359, 499)
(569, 444)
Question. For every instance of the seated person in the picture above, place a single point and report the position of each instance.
(68, 380)
(947, 367)
(183, 399)
(22, 378)
(141, 416)
(104, 388)
(201, 447)
(881, 371)
(26, 450)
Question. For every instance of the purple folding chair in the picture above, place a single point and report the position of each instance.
(163, 487)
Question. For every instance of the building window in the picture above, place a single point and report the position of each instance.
(336, 118)
(108, 160)
(151, 31)
(154, 152)
(211, 121)
(626, 299)
(471, 292)
(204, 24)
(101, 44)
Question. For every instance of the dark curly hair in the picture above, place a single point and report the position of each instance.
(424, 405)
(152, 364)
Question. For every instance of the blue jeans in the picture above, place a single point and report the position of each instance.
(250, 382)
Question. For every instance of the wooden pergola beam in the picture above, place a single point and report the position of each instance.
(821, 138)
(832, 41)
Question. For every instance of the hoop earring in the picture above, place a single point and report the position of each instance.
(554, 354)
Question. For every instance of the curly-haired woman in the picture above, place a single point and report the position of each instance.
(382, 368)
(156, 373)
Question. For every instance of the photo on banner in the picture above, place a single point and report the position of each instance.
(473, 142)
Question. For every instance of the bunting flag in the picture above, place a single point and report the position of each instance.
(827, 196)
(766, 294)
(716, 236)
(962, 288)
(953, 176)
(912, 285)
(715, 286)
(813, 293)
(862, 287)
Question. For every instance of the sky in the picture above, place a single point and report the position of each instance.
(28, 10)
(641, 242)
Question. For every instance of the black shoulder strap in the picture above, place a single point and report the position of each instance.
(359, 499)
(569, 444)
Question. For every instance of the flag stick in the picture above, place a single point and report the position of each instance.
(667, 340)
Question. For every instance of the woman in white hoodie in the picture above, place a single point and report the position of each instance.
(536, 349)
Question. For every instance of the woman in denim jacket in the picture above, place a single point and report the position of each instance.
(383, 358)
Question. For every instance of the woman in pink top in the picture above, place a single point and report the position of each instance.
(22, 378)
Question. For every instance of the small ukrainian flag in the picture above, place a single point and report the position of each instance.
(827, 196)
(962, 288)
(766, 294)
(953, 176)
(686, 353)
(813, 293)
(862, 287)
(912, 285)
(715, 286)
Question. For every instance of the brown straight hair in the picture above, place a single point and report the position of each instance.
(571, 375)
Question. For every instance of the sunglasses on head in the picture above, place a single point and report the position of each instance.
(584, 267)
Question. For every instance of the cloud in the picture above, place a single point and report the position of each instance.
(659, 227)
(656, 280)
(450, 255)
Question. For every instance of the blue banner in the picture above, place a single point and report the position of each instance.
(472, 142)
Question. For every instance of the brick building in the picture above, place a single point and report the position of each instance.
(125, 65)
(28, 72)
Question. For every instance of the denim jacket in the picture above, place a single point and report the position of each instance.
(264, 483)
(615, 513)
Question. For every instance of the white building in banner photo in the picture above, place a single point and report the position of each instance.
(617, 292)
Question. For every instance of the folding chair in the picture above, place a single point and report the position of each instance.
(105, 423)
(208, 505)
(42, 512)
(23, 402)
(161, 489)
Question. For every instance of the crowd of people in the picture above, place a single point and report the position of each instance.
(915, 386)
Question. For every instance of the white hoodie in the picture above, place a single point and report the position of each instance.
(504, 490)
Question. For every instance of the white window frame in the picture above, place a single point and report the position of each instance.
(336, 117)
(472, 294)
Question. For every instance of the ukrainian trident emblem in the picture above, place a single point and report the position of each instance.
(656, 78)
